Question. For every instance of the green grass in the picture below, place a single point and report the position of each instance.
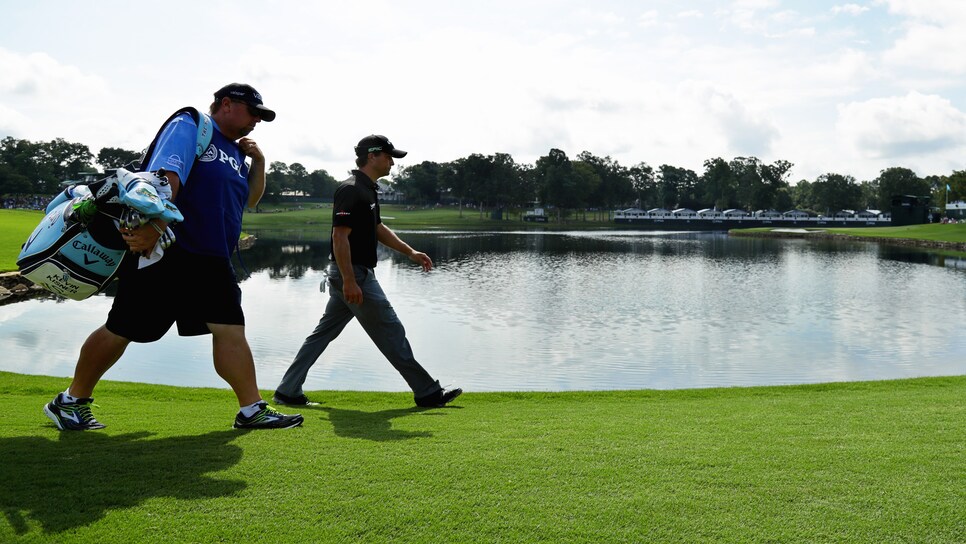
(849, 462)
(15, 227)
(935, 232)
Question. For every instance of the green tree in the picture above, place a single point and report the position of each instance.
(834, 192)
(524, 191)
(775, 178)
(298, 179)
(587, 184)
(18, 166)
(750, 189)
(615, 185)
(503, 179)
(276, 180)
(718, 184)
(784, 199)
(44, 165)
(757, 185)
(644, 184)
(476, 170)
(13, 182)
(115, 157)
(801, 195)
(321, 184)
(59, 160)
(898, 181)
(556, 183)
(420, 182)
(453, 182)
(957, 185)
(676, 187)
(870, 196)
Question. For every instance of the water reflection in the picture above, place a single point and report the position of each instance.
(571, 311)
(914, 255)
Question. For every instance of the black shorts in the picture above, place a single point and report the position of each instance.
(184, 288)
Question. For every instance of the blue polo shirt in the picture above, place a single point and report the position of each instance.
(214, 189)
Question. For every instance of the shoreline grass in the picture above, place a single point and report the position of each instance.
(933, 232)
(842, 462)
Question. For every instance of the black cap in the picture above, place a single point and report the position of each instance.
(375, 143)
(246, 93)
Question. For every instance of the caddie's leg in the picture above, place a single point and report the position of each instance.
(234, 361)
(99, 353)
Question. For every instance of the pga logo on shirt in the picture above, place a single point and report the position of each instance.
(213, 153)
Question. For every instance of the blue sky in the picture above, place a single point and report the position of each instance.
(843, 87)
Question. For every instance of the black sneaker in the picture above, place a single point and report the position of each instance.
(267, 418)
(439, 399)
(280, 398)
(72, 416)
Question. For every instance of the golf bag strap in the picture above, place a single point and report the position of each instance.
(205, 130)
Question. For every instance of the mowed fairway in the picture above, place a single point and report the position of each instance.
(15, 227)
(850, 462)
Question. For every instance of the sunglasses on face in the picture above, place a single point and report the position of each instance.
(252, 110)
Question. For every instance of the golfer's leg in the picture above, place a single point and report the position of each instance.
(337, 315)
(381, 323)
(234, 361)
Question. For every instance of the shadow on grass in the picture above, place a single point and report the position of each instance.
(376, 426)
(74, 479)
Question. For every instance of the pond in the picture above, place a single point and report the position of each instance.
(546, 311)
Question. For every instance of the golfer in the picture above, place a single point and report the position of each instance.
(353, 289)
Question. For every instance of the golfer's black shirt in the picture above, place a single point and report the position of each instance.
(356, 206)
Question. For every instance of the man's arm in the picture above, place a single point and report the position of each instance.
(343, 259)
(256, 174)
(388, 238)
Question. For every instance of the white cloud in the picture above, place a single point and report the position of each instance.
(930, 46)
(745, 130)
(690, 14)
(753, 4)
(803, 32)
(841, 73)
(850, 9)
(12, 122)
(934, 34)
(446, 79)
(38, 76)
(585, 16)
(36, 86)
(930, 10)
(747, 14)
(648, 19)
(902, 126)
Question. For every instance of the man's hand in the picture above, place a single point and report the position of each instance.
(421, 259)
(351, 291)
(142, 239)
(251, 149)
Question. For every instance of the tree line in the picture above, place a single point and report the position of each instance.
(555, 181)
(588, 181)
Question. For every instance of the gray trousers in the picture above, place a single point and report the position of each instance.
(380, 322)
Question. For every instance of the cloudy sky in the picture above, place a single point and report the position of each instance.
(843, 87)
